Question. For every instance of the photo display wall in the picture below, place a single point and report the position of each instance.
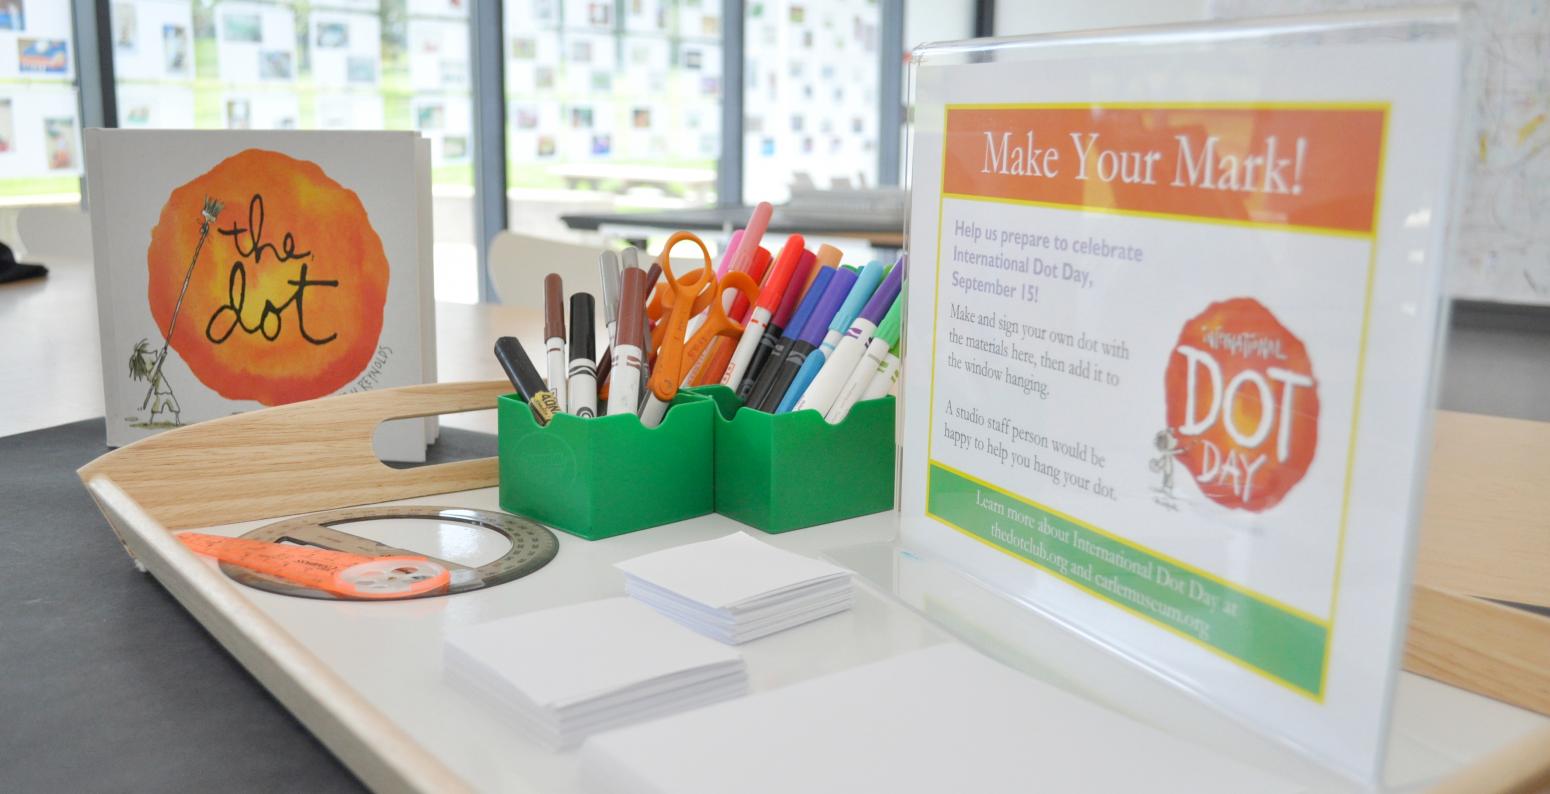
(293, 64)
(623, 95)
(40, 140)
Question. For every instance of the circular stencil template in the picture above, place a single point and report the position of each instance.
(532, 546)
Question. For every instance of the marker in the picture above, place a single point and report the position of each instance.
(741, 252)
(628, 355)
(807, 270)
(770, 297)
(761, 389)
(812, 333)
(866, 284)
(554, 334)
(886, 376)
(582, 384)
(653, 275)
(608, 269)
(523, 375)
(861, 376)
(721, 350)
(839, 363)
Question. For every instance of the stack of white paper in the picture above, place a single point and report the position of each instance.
(568, 672)
(736, 588)
(940, 719)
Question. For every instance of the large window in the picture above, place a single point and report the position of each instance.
(610, 105)
(312, 64)
(810, 102)
(40, 141)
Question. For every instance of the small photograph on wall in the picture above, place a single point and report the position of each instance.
(59, 143)
(274, 65)
(333, 35)
(7, 126)
(13, 15)
(126, 27)
(360, 69)
(42, 56)
(174, 44)
(239, 114)
(430, 117)
(243, 28)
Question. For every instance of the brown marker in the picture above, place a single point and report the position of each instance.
(554, 334)
(629, 351)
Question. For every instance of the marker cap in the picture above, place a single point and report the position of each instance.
(608, 267)
(796, 288)
(583, 343)
(865, 284)
(554, 307)
(834, 296)
(888, 329)
(809, 303)
(632, 307)
(883, 298)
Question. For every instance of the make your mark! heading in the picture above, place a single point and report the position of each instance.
(1196, 162)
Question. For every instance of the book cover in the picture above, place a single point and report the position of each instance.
(238, 270)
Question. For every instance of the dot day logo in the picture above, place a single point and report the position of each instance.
(1243, 404)
(285, 302)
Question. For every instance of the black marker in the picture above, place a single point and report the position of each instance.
(768, 372)
(581, 385)
(523, 375)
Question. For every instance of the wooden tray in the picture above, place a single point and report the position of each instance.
(396, 724)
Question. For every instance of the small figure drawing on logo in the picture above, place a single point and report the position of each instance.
(142, 366)
(1169, 448)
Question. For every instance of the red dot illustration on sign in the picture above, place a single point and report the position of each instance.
(1242, 404)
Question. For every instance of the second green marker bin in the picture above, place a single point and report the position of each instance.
(779, 472)
(597, 478)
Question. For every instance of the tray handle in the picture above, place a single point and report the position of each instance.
(289, 459)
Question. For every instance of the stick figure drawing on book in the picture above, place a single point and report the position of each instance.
(159, 397)
(142, 366)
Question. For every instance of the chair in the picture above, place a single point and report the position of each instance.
(519, 262)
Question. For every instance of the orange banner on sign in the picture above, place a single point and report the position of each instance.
(1316, 168)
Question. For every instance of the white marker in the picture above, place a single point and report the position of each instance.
(841, 362)
(862, 374)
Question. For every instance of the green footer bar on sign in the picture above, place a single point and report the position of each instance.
(1276, 641)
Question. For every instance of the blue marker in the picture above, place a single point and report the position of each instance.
(812, 333)
(866, 283)
(766, 380)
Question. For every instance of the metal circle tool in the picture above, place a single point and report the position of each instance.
(388, 578)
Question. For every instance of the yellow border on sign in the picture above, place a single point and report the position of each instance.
(1361, 356)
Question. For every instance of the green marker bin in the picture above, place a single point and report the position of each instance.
(779, 472)
(597, 478)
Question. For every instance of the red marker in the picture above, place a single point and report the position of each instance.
(770, 296)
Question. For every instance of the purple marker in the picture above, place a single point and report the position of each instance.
(826, 385)
(806, 341)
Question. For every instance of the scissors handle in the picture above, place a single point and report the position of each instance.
(717, 323)
(683, 294)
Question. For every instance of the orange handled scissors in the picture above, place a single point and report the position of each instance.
(683, 298)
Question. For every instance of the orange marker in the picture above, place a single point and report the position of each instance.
(337, 572)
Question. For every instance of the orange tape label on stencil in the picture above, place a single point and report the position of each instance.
(336, 572)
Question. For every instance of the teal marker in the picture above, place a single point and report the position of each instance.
(866, 284)
(858, 386)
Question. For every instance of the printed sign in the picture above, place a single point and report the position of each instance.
(1169, 368)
